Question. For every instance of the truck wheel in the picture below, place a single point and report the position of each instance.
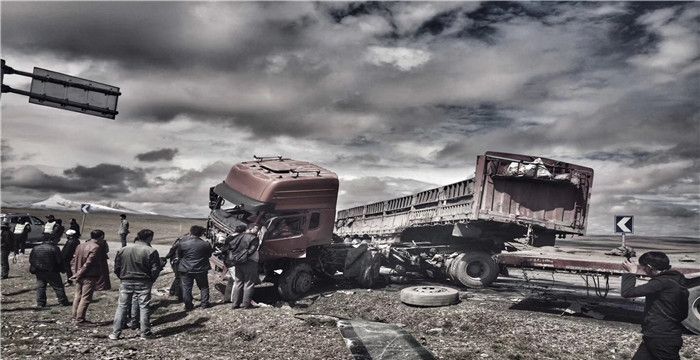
(429, 296)
(452, 268)
(692, 322)
(295, 281)
(476, 269)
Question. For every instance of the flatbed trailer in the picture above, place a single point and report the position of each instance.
(467, 232)
(508, 215)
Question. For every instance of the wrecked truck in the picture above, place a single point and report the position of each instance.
(467, 233)
(293, 203)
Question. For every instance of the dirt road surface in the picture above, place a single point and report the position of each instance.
(521, 317)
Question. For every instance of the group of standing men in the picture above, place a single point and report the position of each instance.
(137, 266)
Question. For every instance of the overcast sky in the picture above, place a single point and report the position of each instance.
(394, 97)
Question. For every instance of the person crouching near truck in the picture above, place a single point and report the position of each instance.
(137, 266)
(665, 306)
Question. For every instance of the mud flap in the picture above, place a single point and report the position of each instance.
(372, 340)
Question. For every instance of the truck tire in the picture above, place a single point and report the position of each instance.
(692, 322)
(295, 281)
(451, 269)
(476, 269)
(429, 296)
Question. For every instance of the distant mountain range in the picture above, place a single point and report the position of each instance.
(56, 202)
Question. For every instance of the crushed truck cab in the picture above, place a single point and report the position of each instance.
(292, 205)
(294, 201)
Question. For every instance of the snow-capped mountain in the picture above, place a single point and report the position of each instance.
(56, 202)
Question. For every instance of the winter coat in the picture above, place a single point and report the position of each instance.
(194, 254)
(76, 227)
(666, 303)
(8, 243)
(104, 282)
(137, 262)
(87, 262)
(123, 227)
(173, 256)
(46, 257)
(69, 249)
(57, 233)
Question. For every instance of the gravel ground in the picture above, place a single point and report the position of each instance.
(497, 323)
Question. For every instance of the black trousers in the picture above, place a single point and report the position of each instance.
(5, 263)
(188, 280)
(54, 280)
(175, 287)
(659, 348)
(21, 242)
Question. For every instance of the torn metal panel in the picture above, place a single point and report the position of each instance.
(372, 340)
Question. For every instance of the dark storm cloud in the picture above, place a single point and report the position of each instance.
(146, 34)
(166, 154)
(104, 179)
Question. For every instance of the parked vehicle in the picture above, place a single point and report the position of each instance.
(37, 225)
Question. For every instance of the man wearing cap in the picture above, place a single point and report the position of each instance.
(72, 242)
(8, 245)
(123, 229)
(46, 263)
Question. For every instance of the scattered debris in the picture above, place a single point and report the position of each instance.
(577, 308)
(371, 340)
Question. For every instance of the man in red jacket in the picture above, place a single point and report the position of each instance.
(87, 271)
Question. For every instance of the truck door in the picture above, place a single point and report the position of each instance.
(284, 237)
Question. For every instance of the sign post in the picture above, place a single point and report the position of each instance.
(85, 209)
(624, 224)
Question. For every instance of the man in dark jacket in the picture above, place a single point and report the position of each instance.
(67, 252)
(175, 286)
(194, 254)
(242, 256)
(665, 306)
(57, 232)
(137, 266)
(75, 227)
(46, 262)
(87, 270)
(7, 246)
